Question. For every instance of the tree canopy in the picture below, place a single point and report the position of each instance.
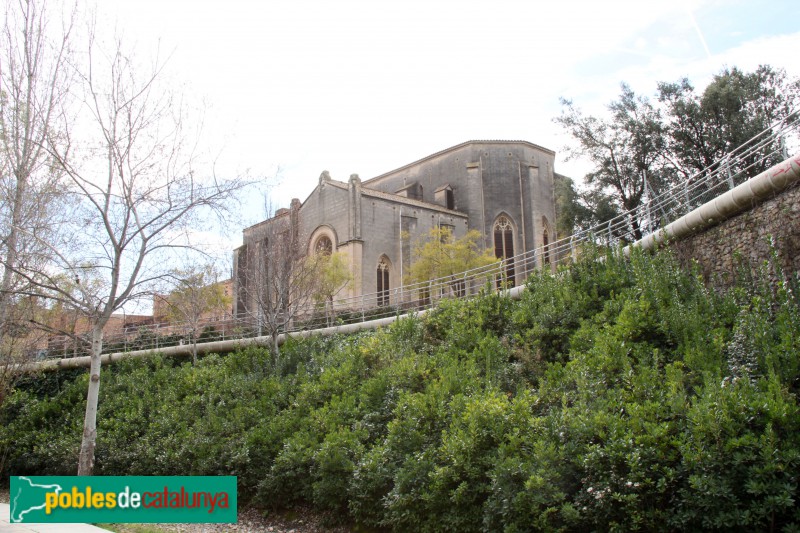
(642, 146)
(198, 295)
(735, 107)
(333, 276)
(439, 255)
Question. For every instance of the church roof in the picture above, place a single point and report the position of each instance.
(456, 147)
(399, 199)
(411, 202)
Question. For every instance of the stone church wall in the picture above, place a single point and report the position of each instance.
(488, 178)
(326, 205)
(383, 229)
(368, 222)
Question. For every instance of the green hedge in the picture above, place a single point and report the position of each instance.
(618, 395)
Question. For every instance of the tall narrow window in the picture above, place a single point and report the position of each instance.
(546, 243)
(449, 199)
(383, 283)
(504, 248)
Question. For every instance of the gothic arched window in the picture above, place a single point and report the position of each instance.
(504, 246)
(323, 246)
(383, 282)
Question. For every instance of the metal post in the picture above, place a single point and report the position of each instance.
(652, 195)
(643, 210)
(728, 169)
(686, 196)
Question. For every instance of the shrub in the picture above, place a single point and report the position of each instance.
(620, 394)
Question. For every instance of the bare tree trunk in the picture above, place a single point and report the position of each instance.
(89, 441)
(275, 349)
(34, 84)
(194, 347)
(8, 377)
(11, 251)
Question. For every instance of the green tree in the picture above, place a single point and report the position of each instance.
(626, 150)
(333, 276)
(640, 148)
(735, 107)
(572, 212)
(440, 255)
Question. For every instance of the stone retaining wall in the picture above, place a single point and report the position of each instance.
(746, 240)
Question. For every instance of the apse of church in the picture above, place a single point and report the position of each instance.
(503, 189)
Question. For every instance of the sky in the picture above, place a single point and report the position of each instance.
(292, 88)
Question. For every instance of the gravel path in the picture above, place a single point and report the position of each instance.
(250, 520)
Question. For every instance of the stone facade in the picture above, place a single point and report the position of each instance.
(488, 179)
(474, 185)
(749, 237)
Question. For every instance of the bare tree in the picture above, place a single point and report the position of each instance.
(197, 296)
(20, 341)
(34, 83)
(135, 197)
(277, 279)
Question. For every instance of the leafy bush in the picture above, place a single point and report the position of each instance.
(620, 394)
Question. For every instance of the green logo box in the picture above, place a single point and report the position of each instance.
(123, 499)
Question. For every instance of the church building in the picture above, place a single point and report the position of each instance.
(503, 189)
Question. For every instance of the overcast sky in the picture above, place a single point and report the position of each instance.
(367, 86)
